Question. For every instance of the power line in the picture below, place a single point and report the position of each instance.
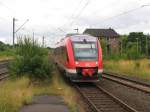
(3, 4)
(61, 30)
(58, 29)
(3, 18)
(21, 25)
(72, 14)
(86, 4)
(76, 8)
(81, 11)
(124, 13)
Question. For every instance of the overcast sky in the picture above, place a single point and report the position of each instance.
(55, 18)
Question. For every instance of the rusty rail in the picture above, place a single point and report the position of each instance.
(144, 87)
(100, 100)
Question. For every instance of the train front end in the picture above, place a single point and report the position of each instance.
(87, 61)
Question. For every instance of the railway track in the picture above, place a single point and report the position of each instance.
(144, 87)
(3, 69)
(100, 100)
(3, 64)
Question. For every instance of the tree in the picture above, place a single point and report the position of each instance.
(140, 39)
(2, 46)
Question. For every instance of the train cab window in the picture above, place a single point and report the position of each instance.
(85, 51)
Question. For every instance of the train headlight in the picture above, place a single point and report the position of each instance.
(77, 63)
(96, 63)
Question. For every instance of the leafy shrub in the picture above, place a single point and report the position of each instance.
(132, 53)
(8, 52)
(4, 47)
(31, 60)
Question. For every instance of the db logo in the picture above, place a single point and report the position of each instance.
(87, 64)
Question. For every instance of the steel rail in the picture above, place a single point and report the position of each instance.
(3, 77)
(3, 69)
(122, 76)
(91, 100)
(88, 101)
(127, 82)
(124, 105)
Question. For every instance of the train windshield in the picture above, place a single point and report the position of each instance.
(85, 51)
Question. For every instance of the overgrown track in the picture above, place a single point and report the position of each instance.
(4, 64)
(99, 100)
(3, 69)
(144, 87)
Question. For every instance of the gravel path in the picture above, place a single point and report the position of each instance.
(45, 103)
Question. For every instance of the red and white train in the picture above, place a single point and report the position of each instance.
(80, 57)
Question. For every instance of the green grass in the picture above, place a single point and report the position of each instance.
(16, 93)
(32, 74)
(135, 68)
(8, 54)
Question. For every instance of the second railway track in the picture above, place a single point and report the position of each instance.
(144, 87)
(100, 100)
(3, 69)
(3, 73)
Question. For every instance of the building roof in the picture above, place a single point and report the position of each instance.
(102, 32)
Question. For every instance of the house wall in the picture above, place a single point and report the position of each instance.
(112, 45)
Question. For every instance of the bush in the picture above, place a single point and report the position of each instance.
(4, 47)
(8, 52)
(31, 60)
(132, 53)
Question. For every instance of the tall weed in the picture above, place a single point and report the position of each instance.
(31, 59)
